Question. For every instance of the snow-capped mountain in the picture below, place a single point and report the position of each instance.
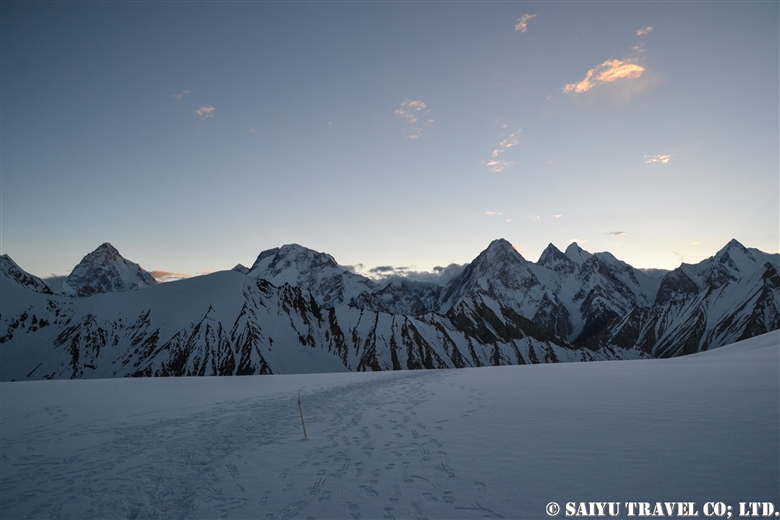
(105, 270)
(317, 273)
(729, 297)
(12, 272)
(296, 311)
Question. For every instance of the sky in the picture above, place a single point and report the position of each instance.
(194, 135)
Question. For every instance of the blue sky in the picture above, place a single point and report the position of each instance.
(193, 135)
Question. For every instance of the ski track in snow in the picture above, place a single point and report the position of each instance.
(215, 464)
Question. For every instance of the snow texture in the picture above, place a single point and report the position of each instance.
(494, 442)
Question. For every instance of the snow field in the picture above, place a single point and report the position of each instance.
(496, 442)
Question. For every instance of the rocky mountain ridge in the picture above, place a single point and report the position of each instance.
(298, 310)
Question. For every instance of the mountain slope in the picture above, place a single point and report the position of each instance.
(228, 323)
(298, 311)
(10, 270)
(731, 296)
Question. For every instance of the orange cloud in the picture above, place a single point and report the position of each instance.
(607, 72)
(663, 159)
(168, 276)
(499, 166)
(522, 22)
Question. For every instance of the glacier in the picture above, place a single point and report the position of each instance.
(490, 442)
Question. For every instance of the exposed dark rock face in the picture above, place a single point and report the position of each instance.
(104, 270)
(501, 309)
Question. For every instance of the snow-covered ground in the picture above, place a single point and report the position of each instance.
(497, 442)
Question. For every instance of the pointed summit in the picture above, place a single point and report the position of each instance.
(241, 268)
(576, 254)
(501, 249)
(553, 258)
(496, 271)
(736, 258)
(733, 245)
(105, 270)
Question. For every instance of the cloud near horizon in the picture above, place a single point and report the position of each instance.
(522, 22)
(607, 72)
(440, 275)
(169, 276)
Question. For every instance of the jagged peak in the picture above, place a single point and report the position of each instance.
(552, 255)
(103, 254)
(106, 270)
(501, 246)
(576, 254)
(241, 268)
(733, 245)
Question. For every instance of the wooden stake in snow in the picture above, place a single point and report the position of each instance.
(301, 410)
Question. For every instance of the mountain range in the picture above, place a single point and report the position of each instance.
(296, 310)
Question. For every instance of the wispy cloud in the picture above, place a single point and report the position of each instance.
(387, 269)
(499, 166)
(417, 113)
(411, 109)
(205, 111)
(491, 213)
(511, 141)
(180, 94)
(558, 215)
(663, 159)
(607, 72)
(522, 22)
(644, 30)
(617, 233)
(353, 268)
(535, 217)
